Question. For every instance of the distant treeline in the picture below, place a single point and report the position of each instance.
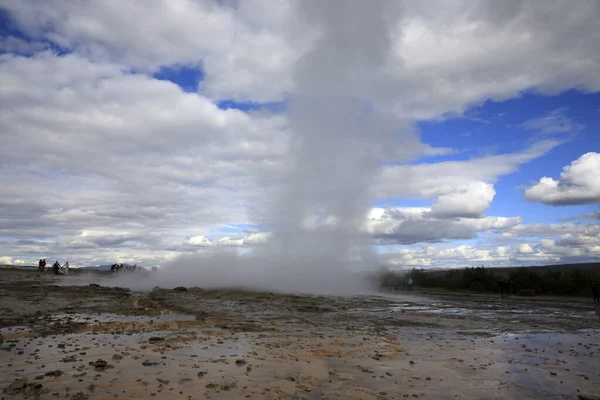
(573, 282)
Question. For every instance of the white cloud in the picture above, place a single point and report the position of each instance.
(469, 202)
(562, 244)
(246, 52)
(579, 183)
(408, 225)
(525, 249)
(12, 44)
(199, 241)
(443, 178)
(440, 60)
(554, 122)
(251, 239)
(430, 151)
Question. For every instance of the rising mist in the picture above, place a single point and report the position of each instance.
(341, 135)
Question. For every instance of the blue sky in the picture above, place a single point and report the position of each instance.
(149, 141)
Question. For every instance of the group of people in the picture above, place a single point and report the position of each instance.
(57, 269)
(123, 267)
(507, 287)
(406, 285)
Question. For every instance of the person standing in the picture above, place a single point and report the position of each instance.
(501, 286)
(596, 292)
(66, 268)
(56, 268)
(41, 265)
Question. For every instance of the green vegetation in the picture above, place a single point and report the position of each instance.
(566, 282)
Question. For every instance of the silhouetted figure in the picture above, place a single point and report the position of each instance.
(596, 292)
(513, 288)
(42, 265)
(56, 268)
(502, 286)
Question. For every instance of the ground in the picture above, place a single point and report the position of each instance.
(62, 338)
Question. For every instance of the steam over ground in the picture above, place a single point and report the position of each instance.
(341, 134)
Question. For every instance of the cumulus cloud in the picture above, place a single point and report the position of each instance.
(579, 183)
(199, 241)
(570, 248)
(399, 225)
(470, 202)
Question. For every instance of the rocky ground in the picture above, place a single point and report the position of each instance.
(62, 339)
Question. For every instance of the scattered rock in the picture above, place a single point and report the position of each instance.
(117, 357)
(80, 396)
(56, 373)
(211, 385)
(583, 396)
(17, 386)
(149, 363)
(100, 364)
(69, 359)
(155, 339)
(240, 362)
(202, 374)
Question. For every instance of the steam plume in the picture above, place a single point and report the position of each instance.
(341, 135)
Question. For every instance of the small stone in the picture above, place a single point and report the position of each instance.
(80, 396)
(240, 362)
(100, 364)
(17, 385)
(155, 339)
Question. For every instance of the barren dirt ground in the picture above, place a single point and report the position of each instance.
(63, 340)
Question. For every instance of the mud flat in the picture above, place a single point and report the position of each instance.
(95, 342)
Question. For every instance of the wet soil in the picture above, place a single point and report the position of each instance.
(61, 339)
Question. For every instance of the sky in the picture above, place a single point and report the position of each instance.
(449, 136)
